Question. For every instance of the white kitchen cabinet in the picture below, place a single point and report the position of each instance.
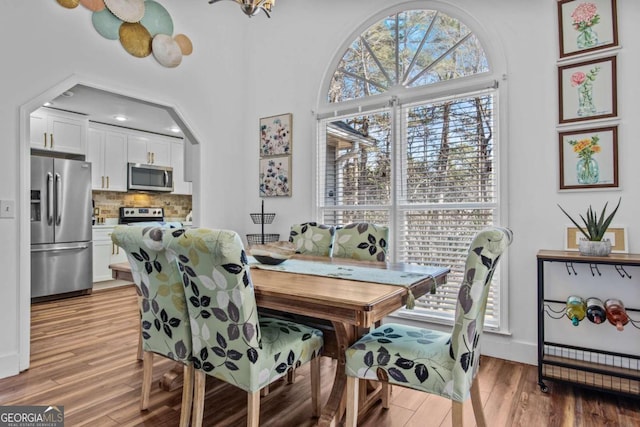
(149, 149)
(58, 131)
(105, 252)
(107, 152)
(180, 186)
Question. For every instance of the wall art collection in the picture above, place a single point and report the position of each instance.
(275, 155)
(587, 94)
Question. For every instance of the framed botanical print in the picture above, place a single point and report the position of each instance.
(586, 26)
(275, 176)
(587, 90)
(275, 135)
(589, 158)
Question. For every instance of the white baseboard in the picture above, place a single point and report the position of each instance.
(9, 365)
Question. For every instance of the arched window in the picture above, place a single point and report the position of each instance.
(408, 138)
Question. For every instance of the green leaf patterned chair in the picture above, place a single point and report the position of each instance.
(435, 362)
(312, 238)
(231, 341)
(164, 317)
(361, 241)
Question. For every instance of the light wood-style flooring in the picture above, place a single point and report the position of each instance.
(83, 356)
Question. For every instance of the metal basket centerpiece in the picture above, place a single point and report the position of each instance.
(262, 218)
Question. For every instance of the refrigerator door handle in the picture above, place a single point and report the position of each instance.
(64, 248)
(58, 199)
(49, 198)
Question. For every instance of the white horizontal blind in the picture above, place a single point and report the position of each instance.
(444, 179)
(355, 170)
(447, 192)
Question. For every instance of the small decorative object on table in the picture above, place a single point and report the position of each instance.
(273, 253)
(594, 229)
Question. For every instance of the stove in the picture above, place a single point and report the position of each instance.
(133, 215)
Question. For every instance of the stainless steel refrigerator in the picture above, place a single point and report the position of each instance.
(61, 249)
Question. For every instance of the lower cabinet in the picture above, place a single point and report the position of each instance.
(105, 252)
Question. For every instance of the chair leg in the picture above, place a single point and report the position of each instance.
(291, 376)
(386, 394)
(200, 379)
(253, 409)
(140, 356)
(476, 401)
(187, 396)
(352, 402)
(456, 413)
(315, 386)
(147, 376)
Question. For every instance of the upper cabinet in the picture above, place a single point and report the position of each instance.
(180, 186)
(59, 131)
(149, 149)
(107, 152)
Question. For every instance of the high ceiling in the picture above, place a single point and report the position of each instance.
(103, 107)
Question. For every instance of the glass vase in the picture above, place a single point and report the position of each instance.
(585, 100)
(588, 171)
(587, 38)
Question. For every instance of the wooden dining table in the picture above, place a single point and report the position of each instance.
(344, 309)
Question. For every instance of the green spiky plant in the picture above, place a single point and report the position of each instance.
(594, 227)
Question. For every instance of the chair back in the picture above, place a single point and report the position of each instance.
(221, 302)
(484, 252)
(164, 316)
(361, 241)
(312, 238)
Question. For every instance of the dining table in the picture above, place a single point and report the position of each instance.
(343, 298)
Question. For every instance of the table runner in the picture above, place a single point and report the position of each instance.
(357, 273)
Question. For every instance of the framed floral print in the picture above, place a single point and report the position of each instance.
(589, 158)
(275, 176)
(275, 135)
(586, 26)
(587, 90)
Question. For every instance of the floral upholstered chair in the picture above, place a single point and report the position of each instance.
(231, 341)
(361, 241)
(165, 324)
(435, 362)
(312, 238)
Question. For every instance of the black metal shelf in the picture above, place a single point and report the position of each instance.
(596, 369)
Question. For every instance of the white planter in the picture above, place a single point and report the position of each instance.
(601, 248)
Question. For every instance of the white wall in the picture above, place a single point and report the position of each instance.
(243, 69)
(302, 40)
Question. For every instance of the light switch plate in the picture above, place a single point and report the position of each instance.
(7, 208)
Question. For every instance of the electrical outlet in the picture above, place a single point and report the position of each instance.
(7, 208)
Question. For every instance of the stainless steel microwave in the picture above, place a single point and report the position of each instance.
(149, 177)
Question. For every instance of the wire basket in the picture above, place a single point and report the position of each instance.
(258, 217)
(256, 239)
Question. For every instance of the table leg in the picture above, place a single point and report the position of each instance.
(333, 409)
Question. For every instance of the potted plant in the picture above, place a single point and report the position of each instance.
(593, 230)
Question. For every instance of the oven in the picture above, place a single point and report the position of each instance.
(138, 216)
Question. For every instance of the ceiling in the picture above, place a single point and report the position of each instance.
(102, 106)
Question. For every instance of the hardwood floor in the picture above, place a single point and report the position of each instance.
(83, 356)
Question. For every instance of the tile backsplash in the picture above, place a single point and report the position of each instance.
(176, 206)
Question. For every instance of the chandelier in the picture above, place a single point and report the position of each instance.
(253, 7)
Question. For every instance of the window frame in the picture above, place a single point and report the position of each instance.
(397, 98)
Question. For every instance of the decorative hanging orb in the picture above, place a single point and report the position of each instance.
(156, 19)
(135, 39)
(186, 47)
(69, 4)
(166, 51)
(127, 10)
(93, 5)
(106, 24)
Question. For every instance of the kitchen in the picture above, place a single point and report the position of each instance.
(136, 154)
